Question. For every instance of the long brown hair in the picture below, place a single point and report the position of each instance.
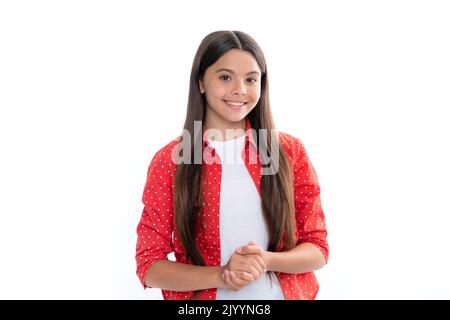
(276, 189)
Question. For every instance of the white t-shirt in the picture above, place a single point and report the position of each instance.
(241, 219)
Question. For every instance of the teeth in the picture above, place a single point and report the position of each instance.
(235, 103)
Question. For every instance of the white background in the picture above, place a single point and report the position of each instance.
(90, 90)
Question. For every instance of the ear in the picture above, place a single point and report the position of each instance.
(202, 90)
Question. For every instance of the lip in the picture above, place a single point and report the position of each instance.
(236, 107)
(237, 101)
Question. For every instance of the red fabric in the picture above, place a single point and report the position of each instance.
(156, 229)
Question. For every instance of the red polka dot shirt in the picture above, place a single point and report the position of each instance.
(156, 235)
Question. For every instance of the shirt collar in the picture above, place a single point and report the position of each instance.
(248, 135)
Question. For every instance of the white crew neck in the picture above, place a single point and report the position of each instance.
(230, 151)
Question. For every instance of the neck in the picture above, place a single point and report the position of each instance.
(223, 126)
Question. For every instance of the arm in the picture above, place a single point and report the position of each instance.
(312, 245)
(305, 257)
(154, 237)
(170, 275)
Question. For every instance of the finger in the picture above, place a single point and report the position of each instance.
(246, 276)
(229, 284)
(249, 249)
(261, 262)
(256, 263)
(255, 271)
(241, 249)
(237, 281)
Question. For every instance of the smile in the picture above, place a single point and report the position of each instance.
(235, 105)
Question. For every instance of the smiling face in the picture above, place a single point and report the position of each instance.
(235, 76)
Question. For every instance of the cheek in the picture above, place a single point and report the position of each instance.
(216, 90)
(214, 94)
(254, 95)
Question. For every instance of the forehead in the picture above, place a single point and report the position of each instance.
(239, 61)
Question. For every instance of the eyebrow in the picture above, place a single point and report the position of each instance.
(231, 71)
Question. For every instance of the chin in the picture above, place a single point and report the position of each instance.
(236, 117)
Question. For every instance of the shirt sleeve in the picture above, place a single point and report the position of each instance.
(308, 208)
(154, 231)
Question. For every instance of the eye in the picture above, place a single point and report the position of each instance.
(247, 79)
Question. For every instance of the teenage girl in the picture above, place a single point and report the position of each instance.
(237, 201)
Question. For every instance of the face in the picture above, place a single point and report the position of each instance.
(241, 83)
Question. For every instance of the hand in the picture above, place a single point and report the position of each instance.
(252, 249)
(236, 280)
(248, 259)
(242, 269)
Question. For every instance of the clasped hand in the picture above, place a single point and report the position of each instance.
(246, 265)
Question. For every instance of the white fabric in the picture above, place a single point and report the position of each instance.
(241, 219)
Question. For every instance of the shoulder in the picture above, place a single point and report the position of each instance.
(163, 157)
(292, 146)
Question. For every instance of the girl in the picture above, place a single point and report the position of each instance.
(239, 208)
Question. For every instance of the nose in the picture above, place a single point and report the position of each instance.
(239, 89)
